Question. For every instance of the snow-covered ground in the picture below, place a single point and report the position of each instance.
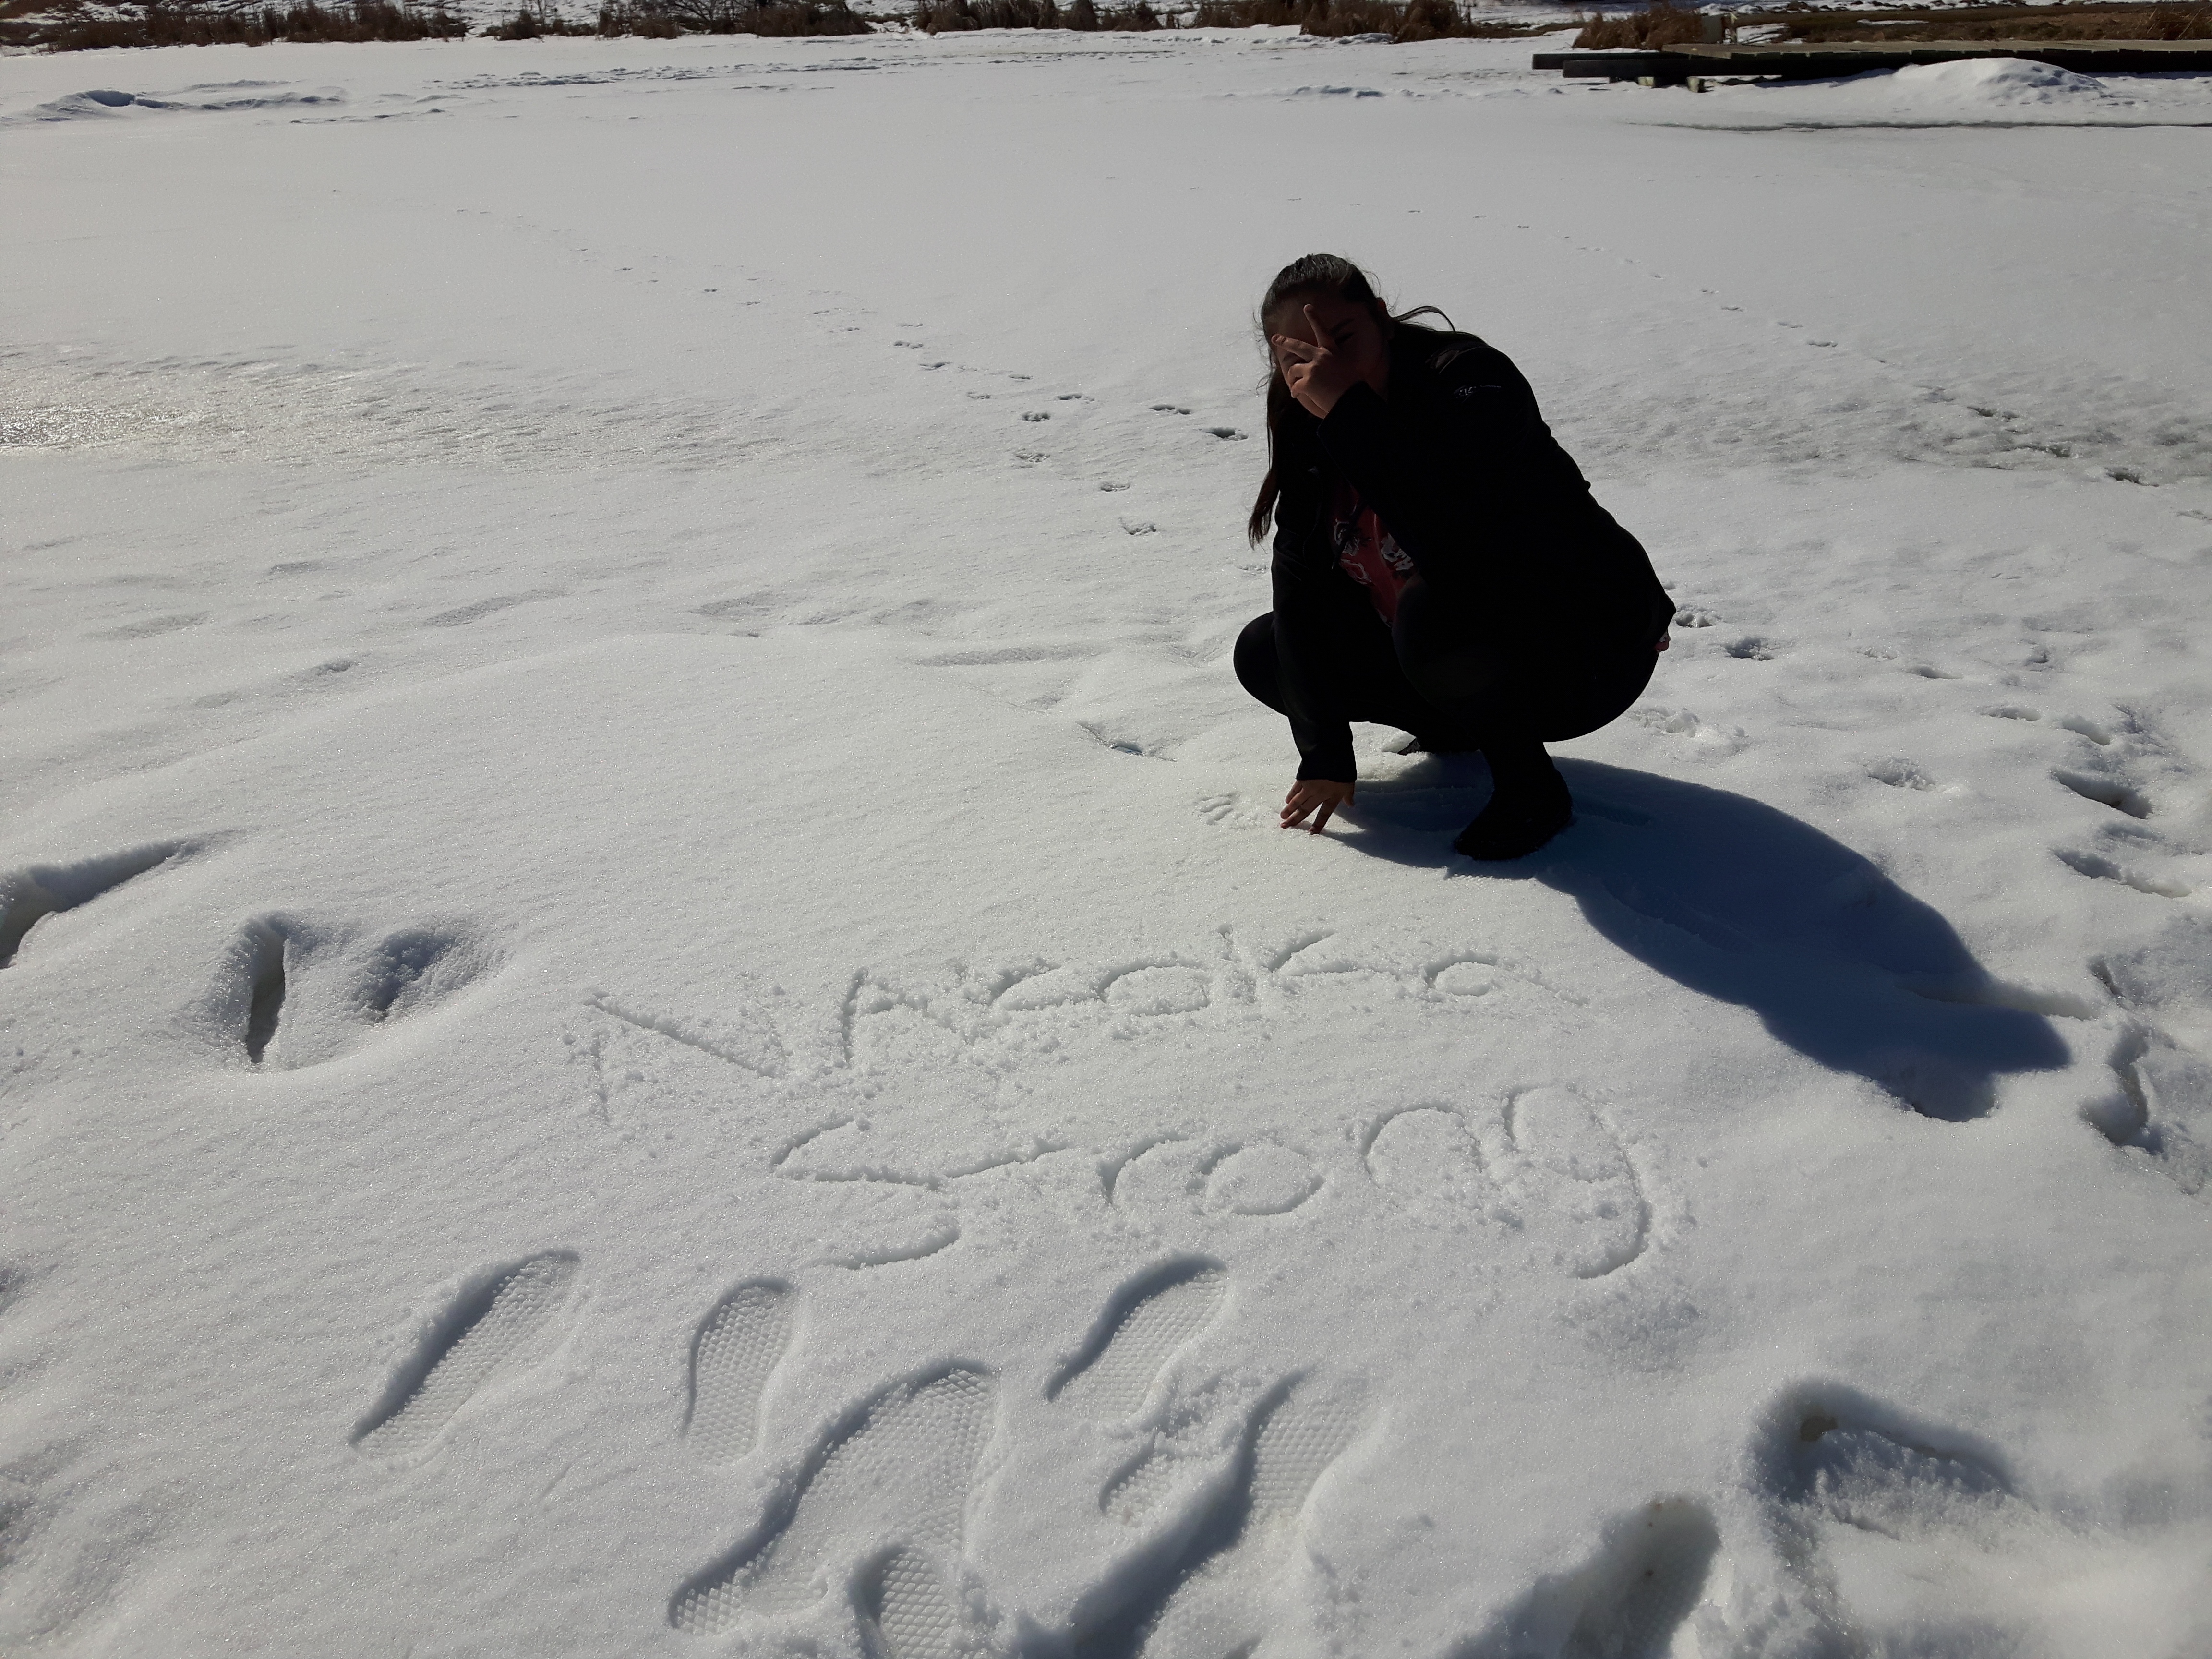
(673, 599)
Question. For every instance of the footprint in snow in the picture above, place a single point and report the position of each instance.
(2102, 867)
(1708, 737)
(2159, 1105)
(2102, 777)
(1145, 1324)
(1900, 773)
(495, 1329)
(293, 994)
(878, 1504)
(2104, 789)
(2079, 725)
(733, 1351)
(461, 616)
(1210, 1598)
(30, 895)
(1901, 1534)
(1628, 1600)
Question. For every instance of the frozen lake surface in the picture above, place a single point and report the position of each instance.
(653, 1007)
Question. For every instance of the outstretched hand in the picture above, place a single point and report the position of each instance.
(1318, 796)
(1315, 372)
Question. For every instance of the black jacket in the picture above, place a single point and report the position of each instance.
(1496, 517)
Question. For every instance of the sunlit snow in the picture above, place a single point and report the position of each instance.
(652, 1005)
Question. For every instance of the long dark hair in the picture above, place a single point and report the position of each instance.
(1315, 274)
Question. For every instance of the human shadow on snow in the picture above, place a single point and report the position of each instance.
(1746, 905)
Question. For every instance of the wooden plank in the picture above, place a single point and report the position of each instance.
(1802, 60)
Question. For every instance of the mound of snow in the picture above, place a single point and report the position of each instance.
(1981, 81)
(98, 101)
(103, 101)
(1969, 91)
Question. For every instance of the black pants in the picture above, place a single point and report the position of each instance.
(1457, 680)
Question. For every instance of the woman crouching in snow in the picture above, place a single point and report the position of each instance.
(1440, 565)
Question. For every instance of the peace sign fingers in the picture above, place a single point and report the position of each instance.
(1320, 334)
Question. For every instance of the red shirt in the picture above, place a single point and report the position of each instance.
(1368, 553)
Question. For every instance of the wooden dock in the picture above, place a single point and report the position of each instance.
(1674, 66)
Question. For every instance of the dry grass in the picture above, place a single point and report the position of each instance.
(2152, 22)
(615, 18)
(1657, 25)
(950, 16)
(779, 17)
(1663, 25)
(71, 27)
(535, 21)
(799, 19)
(1400, 20)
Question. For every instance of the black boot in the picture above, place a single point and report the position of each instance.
(1528, 805)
